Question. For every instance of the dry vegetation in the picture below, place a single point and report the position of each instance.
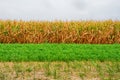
(84, 70)
(59, 31)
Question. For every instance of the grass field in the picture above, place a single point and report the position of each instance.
(59, 52)
(59, 61)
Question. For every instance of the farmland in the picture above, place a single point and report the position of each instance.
(75, 70)
(82, 32)
(59, 50)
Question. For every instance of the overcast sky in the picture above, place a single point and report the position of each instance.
(60, 9)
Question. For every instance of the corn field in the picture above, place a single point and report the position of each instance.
(83, 32)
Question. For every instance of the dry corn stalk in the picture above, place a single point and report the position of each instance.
(94, 32)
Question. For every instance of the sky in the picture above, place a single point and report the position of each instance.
(60, 9)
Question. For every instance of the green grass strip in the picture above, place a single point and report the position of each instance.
(59, 52)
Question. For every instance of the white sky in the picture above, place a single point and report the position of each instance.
(60, 9)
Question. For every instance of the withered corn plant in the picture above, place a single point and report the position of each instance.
(93, 32)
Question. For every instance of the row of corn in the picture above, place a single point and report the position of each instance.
(93, 32)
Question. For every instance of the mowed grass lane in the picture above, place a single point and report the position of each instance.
(59, 52)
